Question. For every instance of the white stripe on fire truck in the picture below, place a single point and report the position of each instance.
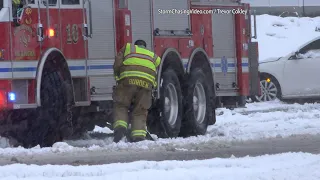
(95, 67)
(77, 67)
(216, 64)
(245, 65)
(217, 67)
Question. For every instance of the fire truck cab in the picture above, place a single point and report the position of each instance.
(56, 64)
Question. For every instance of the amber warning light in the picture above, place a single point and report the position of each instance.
(268, 80)
(51, 32)
(1, 54)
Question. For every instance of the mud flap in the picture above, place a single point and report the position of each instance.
(254, 77)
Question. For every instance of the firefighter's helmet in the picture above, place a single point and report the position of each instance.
(140, 42)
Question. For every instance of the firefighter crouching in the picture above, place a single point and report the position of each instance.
(135, 70)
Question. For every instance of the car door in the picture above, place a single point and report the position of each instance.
(302, 71)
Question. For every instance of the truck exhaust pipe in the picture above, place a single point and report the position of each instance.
(254, 24)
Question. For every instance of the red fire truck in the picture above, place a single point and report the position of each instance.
(56, 64)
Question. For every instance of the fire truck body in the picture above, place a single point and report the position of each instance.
(228, 32)
(65, 49)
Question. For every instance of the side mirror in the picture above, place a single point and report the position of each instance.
(294, 56)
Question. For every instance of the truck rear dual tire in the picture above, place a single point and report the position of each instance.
(198, 110)
(178, 117)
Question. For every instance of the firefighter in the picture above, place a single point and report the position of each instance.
(135, 70)
(17, 7)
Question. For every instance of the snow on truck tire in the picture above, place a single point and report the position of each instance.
(54, 115)
(47, 124)
(198, 106)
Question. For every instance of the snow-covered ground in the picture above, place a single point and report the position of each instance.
(293, 166)
(279, 36)
(257, 121)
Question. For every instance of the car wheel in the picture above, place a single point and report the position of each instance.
(270, 90)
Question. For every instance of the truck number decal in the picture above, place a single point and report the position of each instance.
(72, 34)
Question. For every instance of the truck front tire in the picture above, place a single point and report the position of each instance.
(54, 115)
(45, 125)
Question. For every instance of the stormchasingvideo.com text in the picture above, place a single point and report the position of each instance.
(201, 11)
(185, 11)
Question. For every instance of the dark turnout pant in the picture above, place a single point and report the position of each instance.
(124, 96)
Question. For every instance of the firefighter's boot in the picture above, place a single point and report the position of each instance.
(137, 139)
(119, 133)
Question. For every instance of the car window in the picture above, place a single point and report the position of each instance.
(311, 50)
(310, 54)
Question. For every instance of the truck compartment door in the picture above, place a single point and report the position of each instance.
(141, 21)
(101, 49)
(224, 53)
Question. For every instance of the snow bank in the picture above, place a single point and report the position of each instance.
(279, 36)
(291, 166)
(257, 121)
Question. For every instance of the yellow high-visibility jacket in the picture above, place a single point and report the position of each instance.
(16, 2)
(137, 62)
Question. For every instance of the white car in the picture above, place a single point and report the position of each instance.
(294, 76)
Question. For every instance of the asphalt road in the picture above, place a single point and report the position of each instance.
(305, 143)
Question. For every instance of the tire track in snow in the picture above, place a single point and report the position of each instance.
(302, 143)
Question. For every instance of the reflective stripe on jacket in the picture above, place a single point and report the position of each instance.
(16, 2)
(140, 58)
(135, 55)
